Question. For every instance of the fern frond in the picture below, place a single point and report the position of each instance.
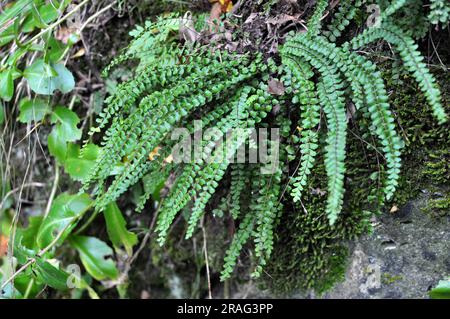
(369, 95)
(392, 8)
(239, 179)
(305, 96)
(412, 59)
(331, 97)
(267, 208)
(346, 12)
(315, 20)
(439, 12)
(239, 239)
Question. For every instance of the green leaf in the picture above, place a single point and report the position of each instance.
(67, 122)
(94, 255)
(64, 131)
(442, 290)
(21, 253)
(32, 110)
(9, 292)
(57, 145)
(78, 166)
(48, 13)
(30, 233)
(56, 50)
(117, 230)
(6, 84)
(45, 78)
(27, 284)
(2, 113)
(64, 213)
(51, 275)
(7, 36)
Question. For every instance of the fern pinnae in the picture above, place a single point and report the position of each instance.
(412, 59)
(239, 239)
(392, 8)
(215, 171)
(310, 115)
(346, 12)
(239, 178)
(331, 97)
(369, 90)
(314, 22)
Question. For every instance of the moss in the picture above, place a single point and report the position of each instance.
(309, 254)
(388, 279)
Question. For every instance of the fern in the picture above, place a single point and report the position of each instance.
(310, 114)
(240, 238)
(175, 84)
(412, 59)
(346, 12)
(314, 22)
(439, 12)
(392, 8)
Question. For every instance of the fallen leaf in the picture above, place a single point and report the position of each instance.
(79, 53)
(283, 18)
(153, 154)
(318, 191)
(63, 34)
(168, 160)
(394, 209)
(214, 16)
(187, 29)
(227, 5)
(251, 18)
(275, 87)
(3, 245)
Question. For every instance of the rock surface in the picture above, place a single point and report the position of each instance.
(406, 255)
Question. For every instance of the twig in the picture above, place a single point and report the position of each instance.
(91, 18)
(53, 192)
(205, 250)
(18, 189)
(38, 255)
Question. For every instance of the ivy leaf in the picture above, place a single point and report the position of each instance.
(116, 228)
(6, 84)
(45, 78)
(32, 110)
(77, 165)
(94, 255)
(64, 213)
(51, 275)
